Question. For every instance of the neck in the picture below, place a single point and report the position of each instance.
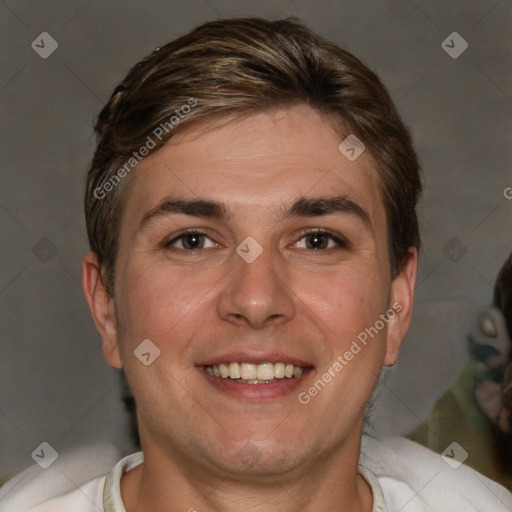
(167, 484)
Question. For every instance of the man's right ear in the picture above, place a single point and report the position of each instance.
(101, 305)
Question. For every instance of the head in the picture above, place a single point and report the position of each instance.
(491, 333)
(490, 343)
(293, 252)
(502, 299)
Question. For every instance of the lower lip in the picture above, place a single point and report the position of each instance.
(277, 388)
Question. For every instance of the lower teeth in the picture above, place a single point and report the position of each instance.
(241, 381)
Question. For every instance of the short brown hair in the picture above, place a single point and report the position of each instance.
(235, 67)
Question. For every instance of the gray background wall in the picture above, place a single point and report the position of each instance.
(54, 384)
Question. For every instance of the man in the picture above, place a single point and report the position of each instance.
(251, 215)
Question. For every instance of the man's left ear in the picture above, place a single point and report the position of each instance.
(402, 300)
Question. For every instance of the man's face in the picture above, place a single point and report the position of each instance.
(211, 298)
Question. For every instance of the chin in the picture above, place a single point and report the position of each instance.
(258, 455)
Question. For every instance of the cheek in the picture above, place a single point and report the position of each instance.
(158, 302)
(346, 300)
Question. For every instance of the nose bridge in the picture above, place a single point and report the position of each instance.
(256, 292)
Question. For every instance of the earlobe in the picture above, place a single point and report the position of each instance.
(402, 301)
(101, 305)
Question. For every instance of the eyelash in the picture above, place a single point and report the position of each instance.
(340, 241)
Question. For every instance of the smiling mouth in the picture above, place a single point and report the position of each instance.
(249, 373)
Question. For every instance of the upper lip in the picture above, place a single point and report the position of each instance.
(254, 358)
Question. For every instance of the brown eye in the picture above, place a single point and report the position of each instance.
(193, 241)
(316, 240)
(190, 241)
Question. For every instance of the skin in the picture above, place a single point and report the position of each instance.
(293, 299)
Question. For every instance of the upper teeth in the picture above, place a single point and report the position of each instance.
(249, 371)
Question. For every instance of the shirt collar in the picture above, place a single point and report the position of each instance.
(112, 501)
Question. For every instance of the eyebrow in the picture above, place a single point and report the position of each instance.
(318, 206)
(302, 207)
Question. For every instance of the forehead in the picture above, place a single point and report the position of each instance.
(256, 164)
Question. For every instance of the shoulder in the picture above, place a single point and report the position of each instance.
(74, 481)
(415, 479)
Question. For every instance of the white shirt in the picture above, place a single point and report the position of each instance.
(403, 476)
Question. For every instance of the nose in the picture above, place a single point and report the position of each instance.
(257, 294)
